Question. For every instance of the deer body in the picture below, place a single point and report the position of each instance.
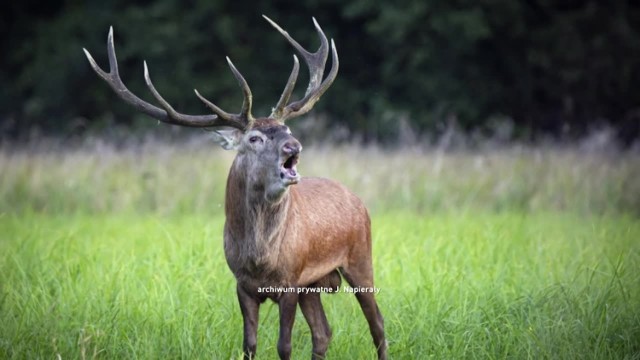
(298, 240)
(281, 230)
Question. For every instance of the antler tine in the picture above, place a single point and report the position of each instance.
(305, 104)
(168, 115)
(165, 105)
(244, 117)
(288, 90)
(111, 53)
(247, 103)
(316, 63)
(318, 60)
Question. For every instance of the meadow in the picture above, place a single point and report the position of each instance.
(115, 251)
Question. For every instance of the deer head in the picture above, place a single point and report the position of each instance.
(266, 148)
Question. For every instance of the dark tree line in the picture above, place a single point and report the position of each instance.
(558, 68)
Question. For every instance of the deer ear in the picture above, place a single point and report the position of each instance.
(228, 139)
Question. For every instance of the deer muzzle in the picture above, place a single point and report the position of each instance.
(289, 156)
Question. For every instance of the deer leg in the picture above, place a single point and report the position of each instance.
(249, 308)
(313, 312)
(364, 278)
(287, 305)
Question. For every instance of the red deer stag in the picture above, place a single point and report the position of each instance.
(278, 236)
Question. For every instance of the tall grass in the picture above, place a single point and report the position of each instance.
(478, 285)
(523, 253)
(172, 178)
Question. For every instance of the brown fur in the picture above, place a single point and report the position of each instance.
(317, 227)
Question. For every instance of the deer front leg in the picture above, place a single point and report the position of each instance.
(287, 304)
(249, 307)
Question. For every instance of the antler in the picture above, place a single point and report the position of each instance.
(316, 63)
(167, 114)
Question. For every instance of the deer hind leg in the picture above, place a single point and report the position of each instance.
(312, 309)
(361, 275)
(313, 312)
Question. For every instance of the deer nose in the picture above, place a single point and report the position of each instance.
(291, 147)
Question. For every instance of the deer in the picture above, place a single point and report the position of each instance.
(282, 230)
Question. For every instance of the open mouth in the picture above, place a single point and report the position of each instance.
(288, 171)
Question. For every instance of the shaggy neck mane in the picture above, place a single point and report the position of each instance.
(255, 224)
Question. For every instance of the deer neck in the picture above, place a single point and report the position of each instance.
(255, 222)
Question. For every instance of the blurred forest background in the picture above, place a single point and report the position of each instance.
(524, 70)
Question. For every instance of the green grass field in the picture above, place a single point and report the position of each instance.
(518, 253)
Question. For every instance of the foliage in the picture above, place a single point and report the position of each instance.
(549, 66)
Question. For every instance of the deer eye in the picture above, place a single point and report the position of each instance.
(255, 139)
